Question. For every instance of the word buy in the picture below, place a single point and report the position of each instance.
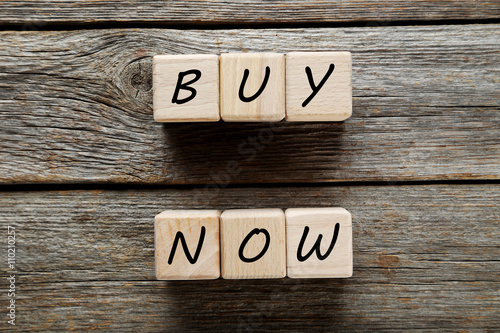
(253, 244)
(258, 87)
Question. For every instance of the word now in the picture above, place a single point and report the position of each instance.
(298, 86)
(253, 244)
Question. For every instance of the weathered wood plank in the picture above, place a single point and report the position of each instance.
(76, 107)
(251, 12)
(425, 257)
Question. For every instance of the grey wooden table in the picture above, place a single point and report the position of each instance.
(84, 168)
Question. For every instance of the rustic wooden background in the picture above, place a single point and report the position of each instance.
(84, 169)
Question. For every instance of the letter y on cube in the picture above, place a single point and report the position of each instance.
(318, 86)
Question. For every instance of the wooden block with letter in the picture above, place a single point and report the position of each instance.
(318, 86)
(186, 88)
(319, 243)
(252, 86)
(187, 245)
(253, 244)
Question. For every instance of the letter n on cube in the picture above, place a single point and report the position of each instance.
(187, 245)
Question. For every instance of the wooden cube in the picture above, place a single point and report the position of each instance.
(319, 243)
(253, 244)
(318, 86)
(252, 87)
(186, 88)
(187, 245)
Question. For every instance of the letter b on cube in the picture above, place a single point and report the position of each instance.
(186, 88)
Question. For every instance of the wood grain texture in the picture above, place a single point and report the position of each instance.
(35, 14)
(425, 257)
(252, 234)
(263, 86)
(76, 107)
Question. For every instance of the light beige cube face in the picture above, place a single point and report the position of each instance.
(174, 77)
(303, 228)
(244, 235)
(269, 105)
(205, 264)
(333, 100)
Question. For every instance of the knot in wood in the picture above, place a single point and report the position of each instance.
(141, 82)
(136, 80)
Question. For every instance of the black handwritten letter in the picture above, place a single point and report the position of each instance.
(185, 86)
(261, 89)
(320, 85)
(316, 245)
(180, 236)
(245, 241)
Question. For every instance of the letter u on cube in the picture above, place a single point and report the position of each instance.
(252, 87)
(253, 244)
